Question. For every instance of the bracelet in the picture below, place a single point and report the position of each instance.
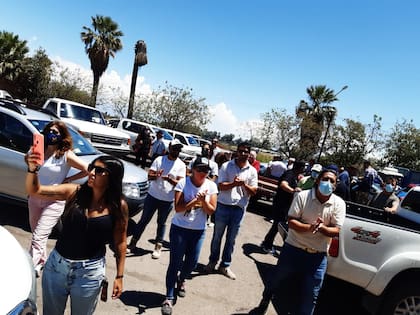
(35, 171)
(119, 277)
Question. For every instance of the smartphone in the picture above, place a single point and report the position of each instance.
(38, 147)
(104, 291)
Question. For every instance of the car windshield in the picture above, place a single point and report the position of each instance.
(82, 113)
(81, 146)
(193, 141)
(166, 134)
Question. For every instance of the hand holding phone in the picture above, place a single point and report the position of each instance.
(38, 148)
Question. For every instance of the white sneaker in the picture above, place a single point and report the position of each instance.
(38, 269)
(227, 272)
(158, 249)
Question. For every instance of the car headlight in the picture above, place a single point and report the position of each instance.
(131, 190)
(27, 307)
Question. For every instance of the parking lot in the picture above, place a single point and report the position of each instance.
(144, 278)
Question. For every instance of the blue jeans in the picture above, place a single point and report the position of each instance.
(185, 247)
(151, 204)
(81, 279)
(294, 262)
(226, 218)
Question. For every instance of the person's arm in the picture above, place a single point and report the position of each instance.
(284, 185)
(50, 192)
(120, 241)
(394, 205)
(251, 190)
(229, 185)
(74, 161)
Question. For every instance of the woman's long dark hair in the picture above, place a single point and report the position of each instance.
(113, 193)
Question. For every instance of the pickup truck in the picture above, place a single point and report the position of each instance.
(90, 123)
(379, 252)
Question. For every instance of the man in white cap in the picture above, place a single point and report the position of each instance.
(308, 182)
(164, 174)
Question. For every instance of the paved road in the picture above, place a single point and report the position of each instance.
(144, 278)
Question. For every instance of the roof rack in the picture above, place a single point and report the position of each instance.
(12, 105)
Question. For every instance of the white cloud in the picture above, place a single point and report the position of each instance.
(223, 120)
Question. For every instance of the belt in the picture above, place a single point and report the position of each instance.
(311, 250)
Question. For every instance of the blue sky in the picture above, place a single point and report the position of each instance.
(251, 56)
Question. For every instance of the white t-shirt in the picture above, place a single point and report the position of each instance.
(54, 170)
(159, 188)
(277, 168)
(237, 196)
(195, 219)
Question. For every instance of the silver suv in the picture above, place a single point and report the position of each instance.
(18, 123)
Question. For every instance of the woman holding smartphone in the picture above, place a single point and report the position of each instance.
(44, 214)
(195, 198)
(95, 214)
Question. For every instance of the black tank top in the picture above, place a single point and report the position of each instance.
(84, 238)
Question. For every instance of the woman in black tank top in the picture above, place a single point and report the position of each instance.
(95, 214)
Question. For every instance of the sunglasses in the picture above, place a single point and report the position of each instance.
(243, 151)
(98, 170)
(56, 132)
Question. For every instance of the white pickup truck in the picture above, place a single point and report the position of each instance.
(380, 252)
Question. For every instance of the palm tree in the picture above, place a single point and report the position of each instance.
(12, 54)
(140, 59)
(100, 42)
(314, 116)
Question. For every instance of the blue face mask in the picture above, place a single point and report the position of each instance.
(325, 188)
(389, 188)
(53, 138)
(314, 174)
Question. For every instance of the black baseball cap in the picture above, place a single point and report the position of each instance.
(201, 162)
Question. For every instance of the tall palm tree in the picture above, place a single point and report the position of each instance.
(313, 117)
(140, 59)
(100, 42)
(12, 54)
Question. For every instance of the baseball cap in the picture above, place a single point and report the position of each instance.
(317, 168)
(201, 162)
(176, 143)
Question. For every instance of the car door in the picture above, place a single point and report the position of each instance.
(15, 141)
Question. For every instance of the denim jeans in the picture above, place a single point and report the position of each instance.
(227, 218)
(81, 279)
(294, 262)
(151, 204)
(185, 247)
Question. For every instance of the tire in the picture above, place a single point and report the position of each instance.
(404, 299)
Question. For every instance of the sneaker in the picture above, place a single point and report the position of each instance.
(181, 289)
(210, 267)
(210, 224)
(157, 251)
(227, 272)
(38, 269)
(261, 309)
(166, 308)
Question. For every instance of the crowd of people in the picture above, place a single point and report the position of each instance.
(212, 191)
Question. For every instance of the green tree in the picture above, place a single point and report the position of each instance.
(12, 54)
(313, 117)
(33, 81)
(101, 42)
(280, 131)
(173, 108)
(402, 147)
(68, 84)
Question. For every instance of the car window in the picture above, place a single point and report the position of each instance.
(181, 139)
(52, 106)
(82, 113)
(412, 201)
(14, 134)
(129, 126)
(193, 141)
